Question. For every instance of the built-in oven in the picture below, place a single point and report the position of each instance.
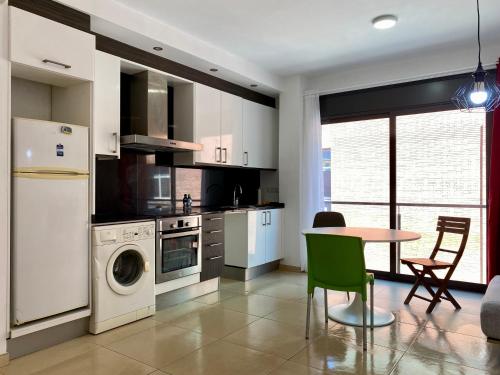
(178, 247)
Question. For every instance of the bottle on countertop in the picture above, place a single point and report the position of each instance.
(185, 201)
(189, 201)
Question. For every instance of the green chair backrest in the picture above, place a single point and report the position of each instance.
(336, 263)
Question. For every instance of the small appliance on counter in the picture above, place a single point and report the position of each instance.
(50, 219)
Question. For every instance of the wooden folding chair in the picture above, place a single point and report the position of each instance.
(445, 224)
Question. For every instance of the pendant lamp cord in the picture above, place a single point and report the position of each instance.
(478, 29)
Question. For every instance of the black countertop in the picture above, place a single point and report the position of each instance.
(166, 212)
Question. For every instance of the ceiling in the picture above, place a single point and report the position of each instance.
(305, 37)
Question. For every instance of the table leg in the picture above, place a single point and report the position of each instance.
(352, 314)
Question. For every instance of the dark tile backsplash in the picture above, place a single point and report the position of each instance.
(134, 184)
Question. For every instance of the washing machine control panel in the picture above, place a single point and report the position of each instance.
(138, 233)
(125, 234)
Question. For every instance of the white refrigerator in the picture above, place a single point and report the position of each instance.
(50, 219)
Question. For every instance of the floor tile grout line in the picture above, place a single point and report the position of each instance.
(421, 328)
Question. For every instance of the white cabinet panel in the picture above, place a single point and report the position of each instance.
(256, 238)
(107, 105)
(50, 46)
(274, 248)
(231, 129)
(253, 238)
(207, 124)
(260, 136)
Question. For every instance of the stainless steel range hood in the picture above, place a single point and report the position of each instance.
(149, 116)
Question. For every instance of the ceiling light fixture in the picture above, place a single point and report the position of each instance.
(254, 85)
(478, 94)
(385, 21)
(158, 48)
(214, 69)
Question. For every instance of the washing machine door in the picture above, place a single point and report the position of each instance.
(126, 268)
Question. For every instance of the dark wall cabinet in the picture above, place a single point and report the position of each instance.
(212, 254)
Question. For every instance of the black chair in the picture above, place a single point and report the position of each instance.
(329, 219)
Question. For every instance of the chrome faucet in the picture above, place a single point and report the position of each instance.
(236, 199)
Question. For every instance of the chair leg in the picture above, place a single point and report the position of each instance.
(372, 308)
(446, 292)
(452, 299)
(326, 307)
(436, 299)
(420, 275)
(309, 300)
(364, 326)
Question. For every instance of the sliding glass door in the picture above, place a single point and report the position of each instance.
(403, 171)
(356, 178)
(441, 170)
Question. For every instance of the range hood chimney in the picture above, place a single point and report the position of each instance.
(149, 116)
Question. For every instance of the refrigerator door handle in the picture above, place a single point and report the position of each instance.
(115, 150)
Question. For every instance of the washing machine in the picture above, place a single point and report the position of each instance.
(123, 274)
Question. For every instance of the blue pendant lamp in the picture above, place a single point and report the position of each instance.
(480, 93)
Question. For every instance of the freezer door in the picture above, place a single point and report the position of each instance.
(50, 146)
(50, 247)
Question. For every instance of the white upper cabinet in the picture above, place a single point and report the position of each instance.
(49, 46)
(231, 129)
(106, 131)
(260, 136)
(207, 124)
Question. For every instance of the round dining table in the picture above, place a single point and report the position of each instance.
(352, 313)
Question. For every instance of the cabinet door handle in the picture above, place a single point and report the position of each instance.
(218, 159)
(264, 218)
(245, 158)
(214, 258)
(214, 218)
(65, 66)
(268, 221)
(215, 244)
(214, 231)
(115, 150)
(225, 155)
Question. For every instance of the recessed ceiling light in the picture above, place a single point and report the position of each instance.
(254, 85)
(158, 48)
(385, 21)
(214, 70)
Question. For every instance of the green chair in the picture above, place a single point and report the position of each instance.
(337, 263)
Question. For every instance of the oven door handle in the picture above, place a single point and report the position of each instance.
(180, 234)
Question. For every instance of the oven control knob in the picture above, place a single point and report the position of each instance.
(173, 226)
(149, 232)
(186, 224)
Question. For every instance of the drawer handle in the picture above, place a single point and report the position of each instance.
(214, 231)
(215, 218)
(47, 61)
(214, 258)
(215, 244)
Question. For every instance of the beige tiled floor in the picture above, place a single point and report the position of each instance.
(257, 327)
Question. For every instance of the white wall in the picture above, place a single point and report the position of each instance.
(290, 145)
(4, 174)
(411, 67)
